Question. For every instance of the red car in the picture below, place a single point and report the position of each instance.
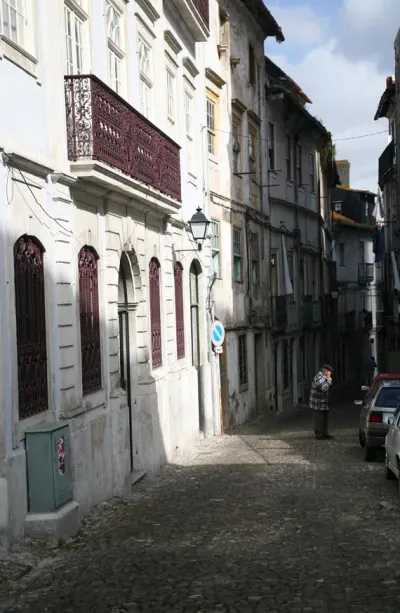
(378, 378)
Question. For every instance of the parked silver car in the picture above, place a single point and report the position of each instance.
(376, 412)
(392, 447)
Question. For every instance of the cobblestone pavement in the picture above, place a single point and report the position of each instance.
(265, 520)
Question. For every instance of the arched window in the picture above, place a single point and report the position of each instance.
(31, 326)
(180, 321)
(90, 321)
(155, 312)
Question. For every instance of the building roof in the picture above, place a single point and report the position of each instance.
(285, 81)
(352, 189)
(281, 83)
(265, 19)
(386, 99)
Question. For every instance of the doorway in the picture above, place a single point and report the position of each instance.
(259, 377)
(125, 283)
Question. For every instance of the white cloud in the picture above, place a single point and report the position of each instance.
(366, 30)
(346, 84)
(301, 25)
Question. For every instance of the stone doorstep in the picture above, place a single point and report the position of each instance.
(62, 524)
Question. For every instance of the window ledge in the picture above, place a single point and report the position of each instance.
(18, 56)
(213, 158)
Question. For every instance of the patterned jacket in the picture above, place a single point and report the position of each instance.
(319, 392)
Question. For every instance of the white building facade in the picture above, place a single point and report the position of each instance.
(103, 319)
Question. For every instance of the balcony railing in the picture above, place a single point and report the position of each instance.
(279, 312)
(387, 163)
(307, 310)
(102, 126)
(365, 273)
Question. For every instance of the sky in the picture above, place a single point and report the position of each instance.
(340, 53)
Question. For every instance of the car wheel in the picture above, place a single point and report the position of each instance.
(389, 474)
(361, 438)
(369, 453)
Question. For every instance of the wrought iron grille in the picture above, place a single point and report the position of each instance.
(180, 320)
(155, 312)
(90, 321)
(102, 126)
(242, 360)
(203, 8)
(31, 326)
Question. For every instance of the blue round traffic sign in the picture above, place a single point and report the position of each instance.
(217, 333)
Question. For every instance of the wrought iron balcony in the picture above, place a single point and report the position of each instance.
(102, 126)
(307, 310)
(279, 312)
(365, 273)
(387, 163)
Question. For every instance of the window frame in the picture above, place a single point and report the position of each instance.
(255, 260)
(189, 95)
(29, 250)
(23, 53)
(237, 255)
(216, 249)
(288, 158)
(243, 363)
(236, 162)
(155, 313)
(146, 80)
(271, 146)
(77, 13)
(252, 66)
(312, 172)
(253, 145)
(299, 167)
(179, 311)
(116, 52)
(211, 103)
(89, 309)
(19, 17)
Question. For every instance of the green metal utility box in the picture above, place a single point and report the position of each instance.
(48, 451)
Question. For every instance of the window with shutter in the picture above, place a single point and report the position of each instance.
(90, 320)
(31, 326)
(155, 312)
(180, 322)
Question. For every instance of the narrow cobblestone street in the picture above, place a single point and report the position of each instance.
(268, 519)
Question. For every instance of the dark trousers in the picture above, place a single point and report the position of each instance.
(321, 423)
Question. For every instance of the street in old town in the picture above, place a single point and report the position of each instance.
(263, 519)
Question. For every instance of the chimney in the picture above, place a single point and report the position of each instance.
(343, 168)
(389, 82)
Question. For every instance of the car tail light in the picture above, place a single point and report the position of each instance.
(375, 418)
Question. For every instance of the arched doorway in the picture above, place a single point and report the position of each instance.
(125, 307)
(194, 272)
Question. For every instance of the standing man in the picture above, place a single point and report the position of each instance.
(369, 370)
(319, 402)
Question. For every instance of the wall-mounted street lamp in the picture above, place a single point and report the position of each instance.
(335, 294)
(198, 225)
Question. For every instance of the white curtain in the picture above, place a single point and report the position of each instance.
(287, 284)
